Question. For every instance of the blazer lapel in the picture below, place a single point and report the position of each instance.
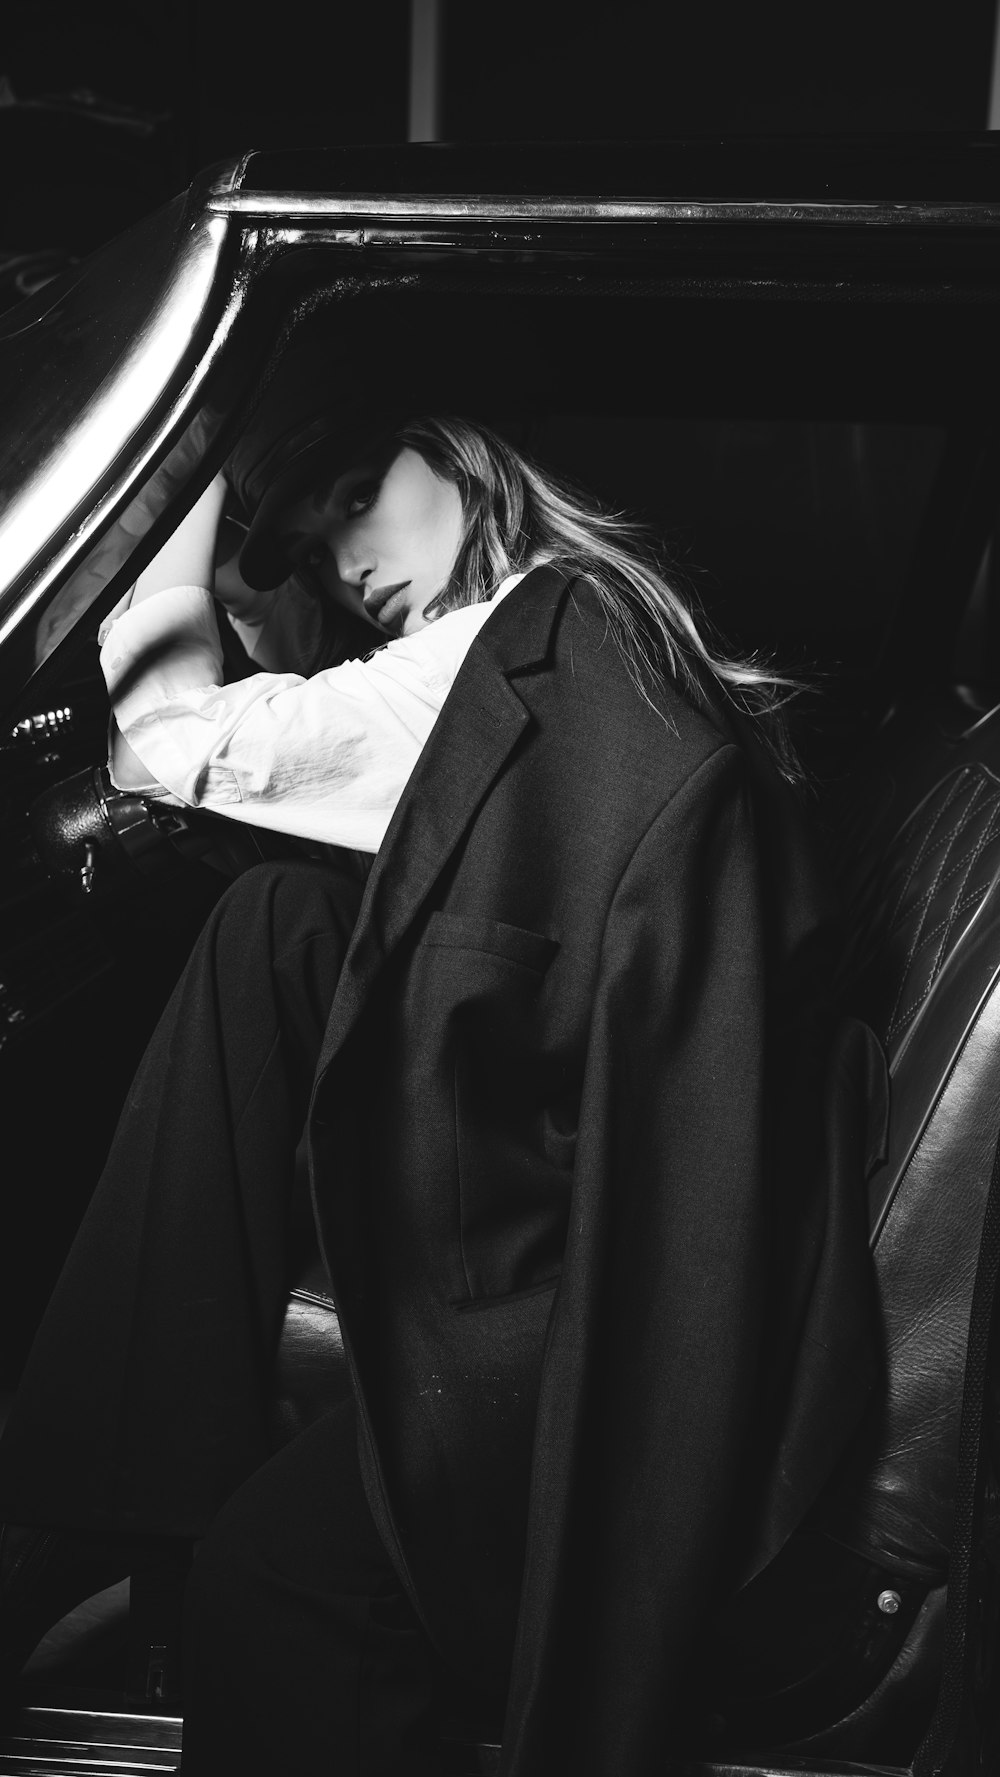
(481, 721)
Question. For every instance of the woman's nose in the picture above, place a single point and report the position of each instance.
(354, 563)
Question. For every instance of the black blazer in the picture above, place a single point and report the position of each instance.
(604, 1281)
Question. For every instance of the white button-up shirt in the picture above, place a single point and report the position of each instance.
(324, 757)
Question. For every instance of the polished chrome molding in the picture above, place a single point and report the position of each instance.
(416, 209)
(49, 1741)
(83, 455)
(54, 1742)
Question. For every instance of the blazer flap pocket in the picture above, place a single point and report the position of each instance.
(532, 950)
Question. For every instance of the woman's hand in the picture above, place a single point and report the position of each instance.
(242, 602)
(281, 629)
(204, 551)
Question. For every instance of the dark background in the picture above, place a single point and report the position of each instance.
(107, 110)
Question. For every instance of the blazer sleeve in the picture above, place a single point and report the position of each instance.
(656, 1370)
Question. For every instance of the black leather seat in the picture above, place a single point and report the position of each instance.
(836, 1651)
(850, 1619)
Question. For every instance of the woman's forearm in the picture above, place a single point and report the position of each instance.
(127, 770)
(171, 646)
(186, 559)
(188, 556)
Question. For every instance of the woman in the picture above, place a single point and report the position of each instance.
(561, 1052)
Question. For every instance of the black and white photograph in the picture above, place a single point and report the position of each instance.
(500, 890)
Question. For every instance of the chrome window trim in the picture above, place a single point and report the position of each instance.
(100, 434)
(415, 209)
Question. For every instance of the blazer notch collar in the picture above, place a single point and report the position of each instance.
(519, 635)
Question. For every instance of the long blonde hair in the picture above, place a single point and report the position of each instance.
(517, 514)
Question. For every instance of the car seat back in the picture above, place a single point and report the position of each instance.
(924, 972)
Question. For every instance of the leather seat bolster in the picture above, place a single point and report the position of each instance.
(311, 1374)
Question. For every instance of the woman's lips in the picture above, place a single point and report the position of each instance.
(386, 603)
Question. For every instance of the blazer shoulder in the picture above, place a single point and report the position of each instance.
(551, 638)
(669, 719)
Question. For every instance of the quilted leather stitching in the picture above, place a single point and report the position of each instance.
(954, 837)
(933, 839)
(923, 848)
(924, 904)
(901, 1019)
(933, 879)
(947, 925)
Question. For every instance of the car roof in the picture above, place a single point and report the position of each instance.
(118, 381)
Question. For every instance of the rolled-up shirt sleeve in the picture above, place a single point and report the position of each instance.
(324, 758)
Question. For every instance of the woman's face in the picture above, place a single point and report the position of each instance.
(381, 542)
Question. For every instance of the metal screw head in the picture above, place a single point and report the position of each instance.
(889, 1603)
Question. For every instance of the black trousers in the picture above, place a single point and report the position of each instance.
(302, 1653)
(142, 1409)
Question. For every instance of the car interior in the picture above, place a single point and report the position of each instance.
(822, 463)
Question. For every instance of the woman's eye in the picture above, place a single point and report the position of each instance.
(362, 497)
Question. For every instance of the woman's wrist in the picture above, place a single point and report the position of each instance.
(246, 604)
